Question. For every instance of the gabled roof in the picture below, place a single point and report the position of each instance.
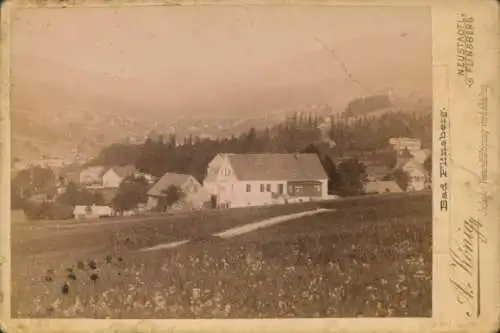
(124, 170)
(402, 161)
(168, 179)
(95, 171)
(248, 167)
(422, 155)
(414, 166)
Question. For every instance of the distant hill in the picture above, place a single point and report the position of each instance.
(53, 113)
(365, 105)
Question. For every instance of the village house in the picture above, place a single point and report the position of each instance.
(106, 177)
(114, 176)
(237, 180)
(92, 176)
(413, 145)
(195, 196)
(418, 177)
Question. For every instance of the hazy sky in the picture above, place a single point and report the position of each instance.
(214, 58)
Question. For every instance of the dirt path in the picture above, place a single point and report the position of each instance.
(236, 231)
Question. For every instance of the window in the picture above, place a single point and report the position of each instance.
(262, 187)
(268, 188)
(249, 188)
(280, 188)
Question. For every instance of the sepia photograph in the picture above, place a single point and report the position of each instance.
(219, 161)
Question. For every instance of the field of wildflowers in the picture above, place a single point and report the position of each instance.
(370, 257)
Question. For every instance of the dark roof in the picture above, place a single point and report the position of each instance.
(401, 162)
(124, 170)
(277, 166)
(168, 179)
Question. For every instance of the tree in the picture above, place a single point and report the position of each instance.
(352, 176)
(35, 180)
(401, 178)
(389, 157)
(172, 141)
(428, 165)
(170, 195)
(312, 149)
(22, 183)
(251, 136)
(76, 196)
(131, 192)
(405, 153)
(334, 180)
(43, 181)
(16, 201)
(98, 199)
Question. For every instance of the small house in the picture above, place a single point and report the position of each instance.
(92, 176)
(115, 175)
(194, 196)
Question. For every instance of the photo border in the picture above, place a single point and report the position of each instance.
(464, 134)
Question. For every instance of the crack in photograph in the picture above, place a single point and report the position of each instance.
(221, 162)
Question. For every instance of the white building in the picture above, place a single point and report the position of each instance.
(91, 211)
(115, 175)
(104, 177)
(92, 176)
(413, 145)
(237, 180)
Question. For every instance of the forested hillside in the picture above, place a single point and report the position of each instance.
(193, 154)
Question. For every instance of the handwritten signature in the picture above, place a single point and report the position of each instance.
(465, 264)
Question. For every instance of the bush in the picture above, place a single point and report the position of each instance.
(60, 212)
(47, 211)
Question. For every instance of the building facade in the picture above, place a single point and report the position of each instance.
(238, 180)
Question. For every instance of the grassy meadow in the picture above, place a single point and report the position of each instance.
(370, 257)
